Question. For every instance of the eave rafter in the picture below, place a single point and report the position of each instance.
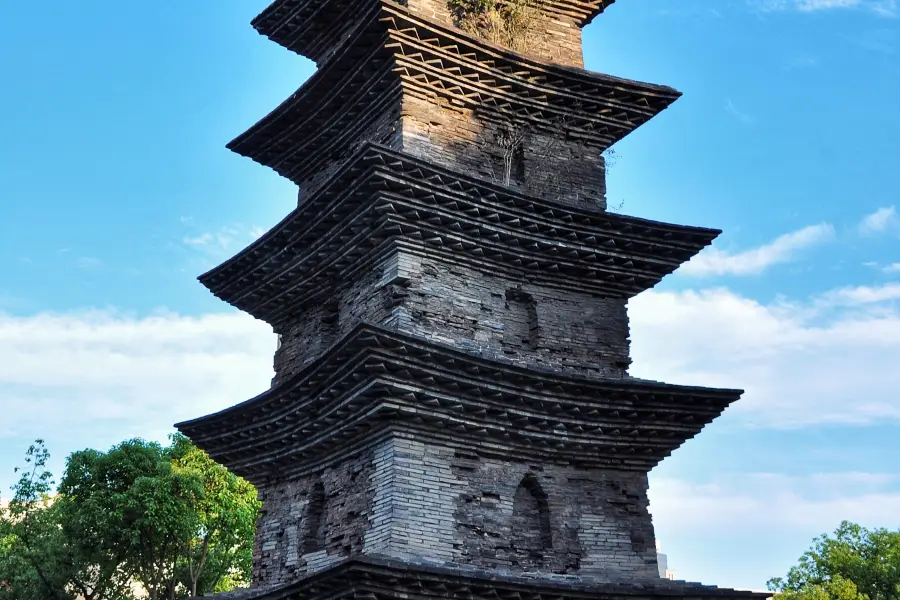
(436, 59)
(382, 201)
(329, 113)
(392, 50)
(382, 578)
(312, 28)
(374, 378)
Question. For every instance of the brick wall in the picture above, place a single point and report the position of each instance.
(423, 502)
(486, 315)
(311, 522)
(549, 166)
(383, 130)
(552, 38)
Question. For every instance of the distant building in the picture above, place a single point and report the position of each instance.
(663, 563)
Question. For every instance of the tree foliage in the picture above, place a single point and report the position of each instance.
(166, 518)
(854, 564)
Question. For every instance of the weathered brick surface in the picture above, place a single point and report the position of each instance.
(552, 38)
(309, 523)
(549, 165)
(490, 316)
(368, 298)
(427, 503)
(383, 130)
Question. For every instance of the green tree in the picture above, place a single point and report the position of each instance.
(855, 564)
(179, 523)
(220, 555)
(37, 558)
(29, 561)
(168, 518)
(131, 502)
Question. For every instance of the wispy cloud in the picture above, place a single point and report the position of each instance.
(882, 8)
(219, 239)
(87, 262)
(856, 296)
(691, 516)
(792, 358)
(746, 502)
(892, 268)
(785, 248)
(882, 220)
(224, 239)
(741, 116)
(800, 62)
(90, 379)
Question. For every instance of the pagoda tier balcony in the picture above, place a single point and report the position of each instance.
(383, 578)
(382, 202)
(375, 384)
(439, 93)
(317, 28)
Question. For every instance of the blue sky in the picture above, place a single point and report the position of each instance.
(116, 191)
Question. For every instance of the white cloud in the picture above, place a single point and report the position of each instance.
(96, 378)
(860, 295)
(831, 359)
(753, 502)
(87, 262)
(882, 8)
(220, 239)
(892, 268)
(883, 219)
(741, 529)
(785, 248)
(801, 62)
(229, 238)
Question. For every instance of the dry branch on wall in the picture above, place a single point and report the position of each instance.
(504, 22)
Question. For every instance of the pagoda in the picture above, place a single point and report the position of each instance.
(451, 414)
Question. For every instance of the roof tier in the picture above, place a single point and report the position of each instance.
(376, 382)
(396, 53)
(312, 28)
(382, 578)
(384, 201)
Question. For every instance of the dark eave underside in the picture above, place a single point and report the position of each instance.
(355, 87)
(375, 378)
(311, 27)
(378, 578)
(380, 196)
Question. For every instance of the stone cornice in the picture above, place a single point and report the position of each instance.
(311, 28)
(375, 378)
(384, 198)
(381, 578)
(394, 50)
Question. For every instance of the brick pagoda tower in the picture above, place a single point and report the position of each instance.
(452, 415)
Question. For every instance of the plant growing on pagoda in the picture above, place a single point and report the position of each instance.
(510, 139)
(544, 146)
(504, 22)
